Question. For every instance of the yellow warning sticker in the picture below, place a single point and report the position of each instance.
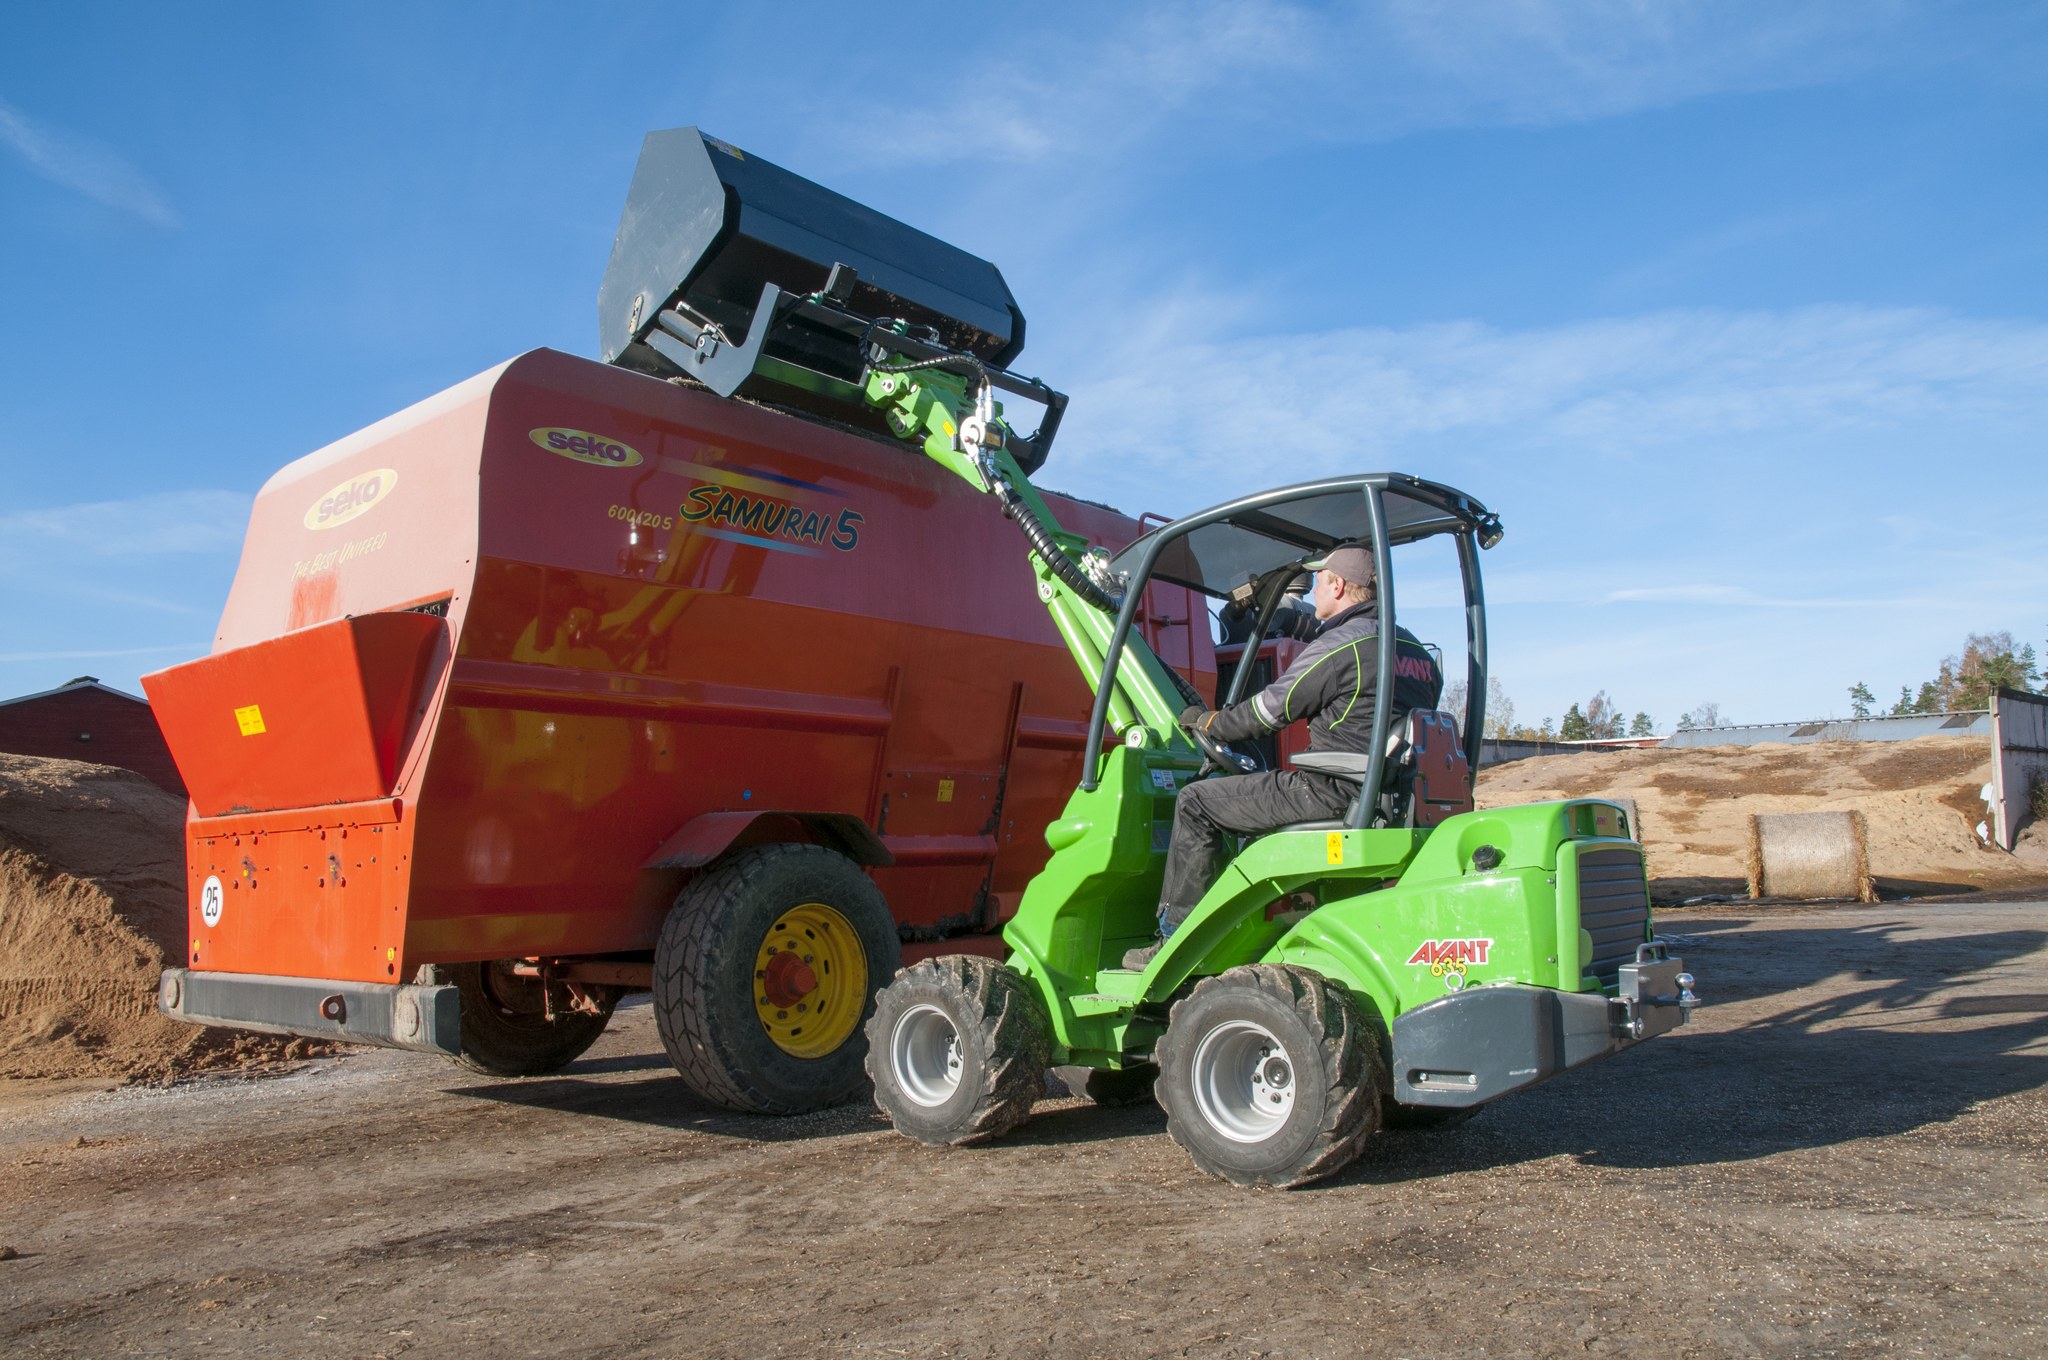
(945, 790)
(1333, 846)
(250, 720)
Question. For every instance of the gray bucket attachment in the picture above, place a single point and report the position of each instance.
(735, 273)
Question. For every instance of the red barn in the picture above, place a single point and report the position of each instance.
(86, 720)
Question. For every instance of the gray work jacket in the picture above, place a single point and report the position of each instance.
(1332, 683)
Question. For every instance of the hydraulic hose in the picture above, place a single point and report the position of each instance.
(1035, 530)
(1041, 540)
(1068, 570)
(959, 363)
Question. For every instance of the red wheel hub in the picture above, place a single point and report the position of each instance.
(789, 980)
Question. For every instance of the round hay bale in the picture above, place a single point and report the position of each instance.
(1809, 855)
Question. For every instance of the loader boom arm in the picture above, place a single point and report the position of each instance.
(947, 409)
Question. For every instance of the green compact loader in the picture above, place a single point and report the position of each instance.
(1400, 965)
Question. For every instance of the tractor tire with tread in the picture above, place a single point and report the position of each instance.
(1243, 1117)
(958, 1049)
(705, 977)
(505, 1028)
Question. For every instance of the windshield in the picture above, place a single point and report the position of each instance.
(1246, 538)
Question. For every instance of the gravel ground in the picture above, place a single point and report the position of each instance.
(1843, 1155)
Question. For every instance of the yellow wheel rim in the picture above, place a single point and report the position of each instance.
(810, 981)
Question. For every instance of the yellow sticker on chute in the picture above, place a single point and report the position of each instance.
(1334, 846)
(250, 720)
(945, 790)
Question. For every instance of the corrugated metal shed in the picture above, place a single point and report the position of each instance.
(1495, 750)
(1971, 722)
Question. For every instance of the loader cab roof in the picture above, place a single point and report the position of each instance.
(1218, 550)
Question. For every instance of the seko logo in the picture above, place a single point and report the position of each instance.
(356, 496)
(586, 447)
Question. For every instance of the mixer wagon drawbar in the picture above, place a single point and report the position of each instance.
(676, 674)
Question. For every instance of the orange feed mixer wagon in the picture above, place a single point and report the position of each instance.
(668, 673)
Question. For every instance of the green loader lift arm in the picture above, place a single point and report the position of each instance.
(946, 407)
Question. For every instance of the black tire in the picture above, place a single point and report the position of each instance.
(1425, 1118)
(505, 1028)
(1248, 1121)
(705, 978)
(1108, 1087)
(958, 1048)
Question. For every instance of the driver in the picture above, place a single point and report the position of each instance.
(1331, 684)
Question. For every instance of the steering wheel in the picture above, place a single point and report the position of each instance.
(1224, 758)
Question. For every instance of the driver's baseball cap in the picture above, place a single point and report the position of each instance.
(1353, 563)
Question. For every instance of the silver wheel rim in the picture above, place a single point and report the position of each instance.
(1244, 1083)
(924, 1053)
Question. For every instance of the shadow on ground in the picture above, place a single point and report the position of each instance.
(1862, 1063)
(1856, 1063)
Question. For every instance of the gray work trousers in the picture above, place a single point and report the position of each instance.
(1209, 812)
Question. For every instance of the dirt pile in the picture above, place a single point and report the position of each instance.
(92, 902)
(1921, 801)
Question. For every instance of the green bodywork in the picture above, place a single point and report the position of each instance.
(1400, 917)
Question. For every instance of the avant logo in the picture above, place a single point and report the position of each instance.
(356, 496)
(586, 447)
(1444, 956)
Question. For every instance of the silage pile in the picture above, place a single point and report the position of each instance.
(1921, 802)
(92, 901)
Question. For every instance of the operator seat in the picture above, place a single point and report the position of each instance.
(1427, 779)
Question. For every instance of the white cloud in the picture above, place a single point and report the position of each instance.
(184, 648)
(170, 522)
(1374, 70)
(119, 582)
(1558, 61)
(85, 166)
(1701, 384)
(1734, 596)
(1699, 504)
(1091, 94)
(1683, 258)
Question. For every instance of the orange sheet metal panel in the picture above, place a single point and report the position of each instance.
(662, 604)
(317, 716)
(306, 893)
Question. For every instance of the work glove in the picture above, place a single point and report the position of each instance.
(1191, 715)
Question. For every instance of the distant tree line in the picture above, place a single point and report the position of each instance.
(1598, 719)
(1988, 663)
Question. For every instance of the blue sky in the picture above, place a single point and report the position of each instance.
(1737, 313)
